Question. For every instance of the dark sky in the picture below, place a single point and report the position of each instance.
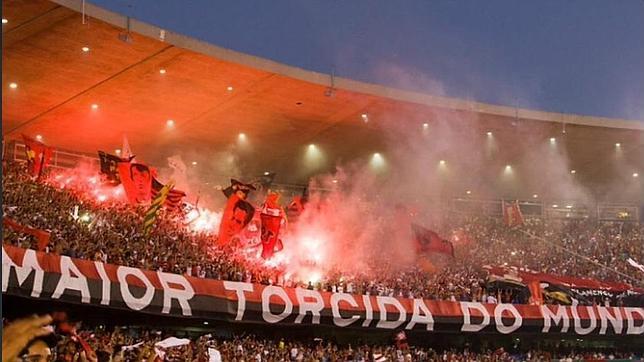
(572, 56)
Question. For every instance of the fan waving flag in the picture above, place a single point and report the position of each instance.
(172, 200)
(512, 215)
(428, 241)
(38, 155)
(110, 167)
(151, 214)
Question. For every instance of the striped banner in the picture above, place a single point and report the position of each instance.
(50, 277)
(157, 202)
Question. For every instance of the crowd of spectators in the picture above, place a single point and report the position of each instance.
(118, 344)
(114, 235)
(567, 249)
(254, 348)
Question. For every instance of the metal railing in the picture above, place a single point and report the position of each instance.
(549, 209)
(59, 158)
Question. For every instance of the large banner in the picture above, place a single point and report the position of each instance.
(578, 288)
(34, 274)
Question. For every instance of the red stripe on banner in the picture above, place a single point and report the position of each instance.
(572, 282)
(227, 296)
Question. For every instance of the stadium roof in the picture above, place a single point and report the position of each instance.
(140, 78)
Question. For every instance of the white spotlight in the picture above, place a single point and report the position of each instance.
(535, 196)
(194, 163)
(313, 157)
(39, 137)
(555, 206)
(13, 85)
(552, 140)
(468, 192)
(117, 151)
(442, 162)
(377, 161)
(266, 173)
(85, 49)
(489, 133)
(335, 181)
(169, 123)
(162, 71)
(573, 171)
(4, 21)
(508, 168)
(635, 174)
(94, 106)
(425, 126)
(618, 145)
(229, 88)
(365, 118)
(241, 137)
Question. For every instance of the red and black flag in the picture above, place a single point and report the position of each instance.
(237, 187)
(272, 216)
(270, 234)
(428, 241)
(109, 167)
(173, 199)
(38, 155)
(237, 213)
(512, 215)
(41, 235)
(137, 182)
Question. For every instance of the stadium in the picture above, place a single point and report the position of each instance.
(168, 199)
